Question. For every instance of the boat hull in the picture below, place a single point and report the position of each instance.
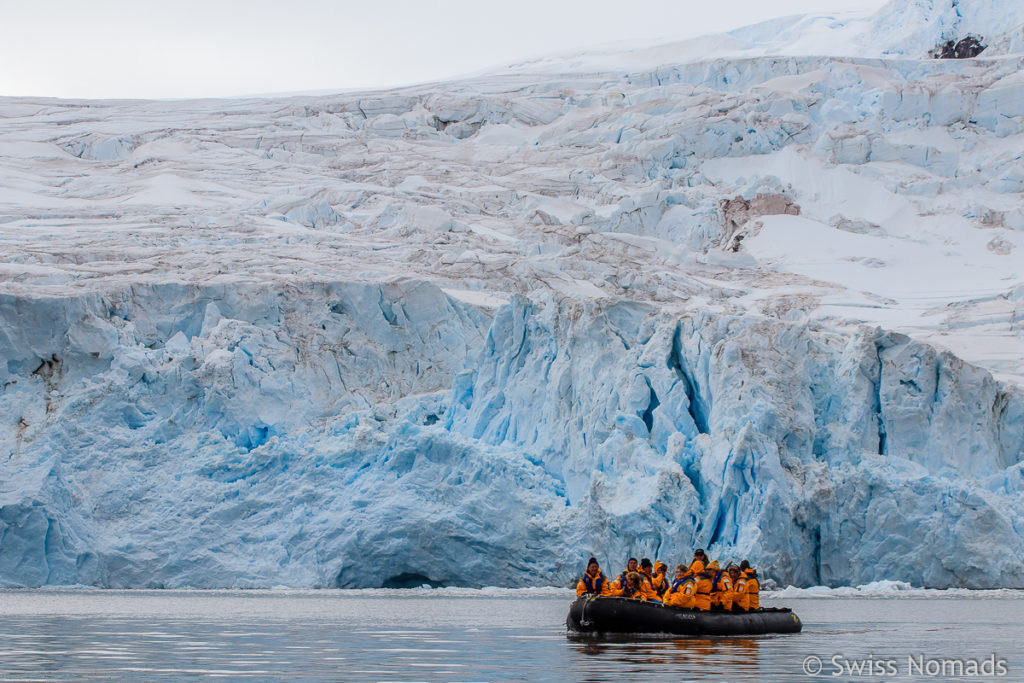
(599, 615)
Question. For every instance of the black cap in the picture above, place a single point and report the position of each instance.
(591, 561)
(646, 562)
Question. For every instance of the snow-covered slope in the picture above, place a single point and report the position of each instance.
(911, 29)
(472, 332)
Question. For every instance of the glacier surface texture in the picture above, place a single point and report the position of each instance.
(760, 292)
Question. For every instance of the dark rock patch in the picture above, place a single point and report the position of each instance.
(965, 48)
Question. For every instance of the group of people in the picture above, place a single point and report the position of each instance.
(701, 585)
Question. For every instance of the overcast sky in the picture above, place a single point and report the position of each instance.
(202, 48)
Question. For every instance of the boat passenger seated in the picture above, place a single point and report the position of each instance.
(680, 593)
(700, 560)
(734, 581)
(751, 587)
(660, 582)
(702, 591)
(635, 587)
(593, 582)
(647, 572)
(721, 587)
(630, 567)
(740, 600)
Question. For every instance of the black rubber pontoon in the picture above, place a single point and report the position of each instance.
(598, 615)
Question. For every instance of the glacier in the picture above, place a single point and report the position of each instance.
(759, 292)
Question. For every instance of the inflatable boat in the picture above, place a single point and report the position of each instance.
(595, 615)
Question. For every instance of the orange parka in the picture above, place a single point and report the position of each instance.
(660, 581)
(593, 584)
(702, 593)
(648, 578)
(680, 593)
(722, 594)
(747, 589)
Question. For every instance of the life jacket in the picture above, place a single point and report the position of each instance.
(644, 578)
(594, 584)
(680, 593)
(721, 591)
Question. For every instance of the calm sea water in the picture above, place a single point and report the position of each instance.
(446, 635)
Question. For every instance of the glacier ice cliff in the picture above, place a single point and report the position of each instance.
(212, 436)
(765, 301)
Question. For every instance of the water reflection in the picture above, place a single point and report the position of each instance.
(739, 653)
(599, 658)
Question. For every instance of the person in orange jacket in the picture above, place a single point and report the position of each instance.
(647, 572)
(741, 601)
(700, 560)
(722, 593)
(660, 581)
(630, 567)
(635, 587)
(738, 586)
(680, 593)
(702, 591)
(751, 587)
(593, 581)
